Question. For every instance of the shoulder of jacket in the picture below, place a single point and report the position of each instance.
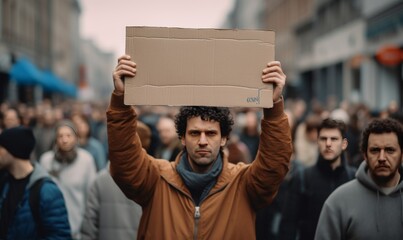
(84, 154)
(46, 156)
(236, 168)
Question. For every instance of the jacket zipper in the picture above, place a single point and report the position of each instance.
(197, 208)
(197, 214)
(197, 217)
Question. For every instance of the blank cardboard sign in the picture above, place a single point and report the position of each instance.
(199, 67)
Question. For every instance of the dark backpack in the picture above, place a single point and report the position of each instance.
(34, 201)
(34, 204)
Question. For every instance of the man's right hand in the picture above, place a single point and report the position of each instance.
(125, 68)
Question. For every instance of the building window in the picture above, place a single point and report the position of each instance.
(356, 79)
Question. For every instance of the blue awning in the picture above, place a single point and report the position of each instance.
(53, 83)
(24, 72)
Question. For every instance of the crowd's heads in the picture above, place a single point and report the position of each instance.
(340, 114)
(66, 123)
(251, 122)
(221, 115)
(166, 130)
(330, 123)
(48, 117)
(312, 123)
(379, 126)
(144, 133)
(82, 124)
(18, 141)
(66, 136)
(12, 118)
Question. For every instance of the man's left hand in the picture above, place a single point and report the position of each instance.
(273, 73)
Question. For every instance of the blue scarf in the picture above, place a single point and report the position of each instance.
(199, 184)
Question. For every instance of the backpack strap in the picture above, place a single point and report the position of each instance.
(34, 203)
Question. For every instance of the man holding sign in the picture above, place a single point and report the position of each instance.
(200, 195)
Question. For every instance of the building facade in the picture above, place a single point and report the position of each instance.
(337, 53)
(44, 31)
(335, 50)
(96, 71)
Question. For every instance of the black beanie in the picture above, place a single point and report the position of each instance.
(18, 141)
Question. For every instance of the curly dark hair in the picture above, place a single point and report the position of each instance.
(330, 123)
(379, 126)
(219, 114)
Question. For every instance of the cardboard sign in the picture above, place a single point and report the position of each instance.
(199, 67)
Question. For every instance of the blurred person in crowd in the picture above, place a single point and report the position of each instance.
(269, 218)
(58, 113)
(237, 150)
(45, 132)
(369, 207)
(12, 118)
(73, 169)
(393, 107)
(341, 115)
(305, 142)
(171, 193)
(1, 121)
(394, 113)
(297, 108)
(354, 155)
(398, 116)
(17, 183)
(170, 144)
(311, 186)
(250, 132)
(98, 126)
(97, 121)
(87, 142)
(150, 115)
(27, 114)
(109, 214)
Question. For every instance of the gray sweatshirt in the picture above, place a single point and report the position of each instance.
(360, 210)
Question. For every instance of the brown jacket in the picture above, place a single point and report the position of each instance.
(228, 212)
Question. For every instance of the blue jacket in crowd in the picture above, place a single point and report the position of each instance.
(53, 213)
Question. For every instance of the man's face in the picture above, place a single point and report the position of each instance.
(11, 119)
(203, 141)
(331, 144)
(66, 139)
(383, 156)
(81, 126)
(5, 158)
(49, 118)
(166, 131)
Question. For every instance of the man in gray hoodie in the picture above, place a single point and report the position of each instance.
(370, 207)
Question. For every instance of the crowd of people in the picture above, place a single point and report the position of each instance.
(93, 189)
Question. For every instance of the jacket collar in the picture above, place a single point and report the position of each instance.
(325, 166)
(176, 181)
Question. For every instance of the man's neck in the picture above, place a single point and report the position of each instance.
(336, 163)
(21, 168)
(393, 182)
(200, 169)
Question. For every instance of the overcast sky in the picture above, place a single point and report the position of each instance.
(104, 21)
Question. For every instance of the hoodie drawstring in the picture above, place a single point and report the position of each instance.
(401, 204)
(377, 211)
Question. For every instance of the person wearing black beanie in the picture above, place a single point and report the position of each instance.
(18, 141)
(17, 218)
